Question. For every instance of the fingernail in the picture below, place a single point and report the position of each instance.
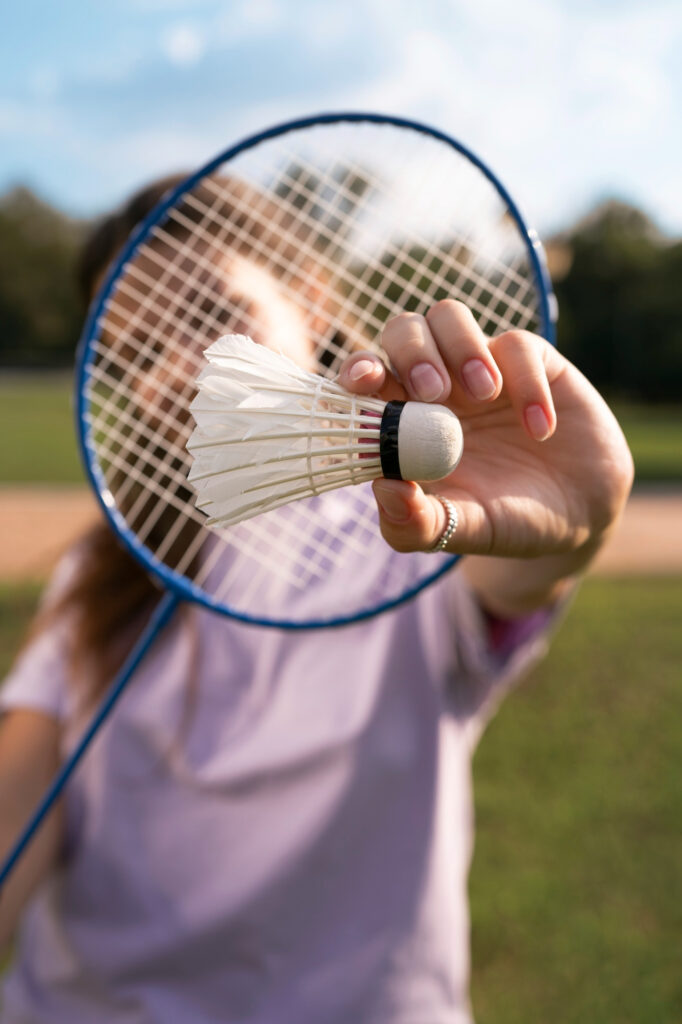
(537, 422)
(478, 379)
(391, 502)
(426, 382)
(363, 368)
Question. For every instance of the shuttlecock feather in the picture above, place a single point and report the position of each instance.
(268, 433)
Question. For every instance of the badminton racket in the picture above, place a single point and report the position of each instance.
(355, 218)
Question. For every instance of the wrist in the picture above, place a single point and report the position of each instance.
(512, 588)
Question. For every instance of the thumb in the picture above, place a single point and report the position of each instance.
(410, 520)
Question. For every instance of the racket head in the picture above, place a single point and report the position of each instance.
(323, 199)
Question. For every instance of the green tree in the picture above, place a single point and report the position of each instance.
(621, 304)
(40, 311)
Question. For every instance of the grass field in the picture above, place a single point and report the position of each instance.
(576, 884)
(35, 411)
(576, 888)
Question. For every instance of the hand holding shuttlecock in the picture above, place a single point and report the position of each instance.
(268, 433)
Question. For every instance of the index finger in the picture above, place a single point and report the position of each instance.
(364, 373)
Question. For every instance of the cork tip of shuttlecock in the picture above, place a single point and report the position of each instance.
(430, 441)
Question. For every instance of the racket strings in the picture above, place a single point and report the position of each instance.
(349, 246)
(400, 254)
(510, 282)
(342, 272)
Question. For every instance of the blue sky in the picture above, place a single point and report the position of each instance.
(569, 101)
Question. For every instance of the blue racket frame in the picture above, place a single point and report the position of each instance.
(178, 588)
(170, 579)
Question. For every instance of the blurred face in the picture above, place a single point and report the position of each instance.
(168, 318)
(269, 317)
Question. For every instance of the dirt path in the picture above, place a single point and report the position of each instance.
(37, 523)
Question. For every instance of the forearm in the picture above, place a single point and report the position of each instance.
(514, 587)
(29, 743)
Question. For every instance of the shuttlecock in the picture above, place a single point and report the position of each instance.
(268, 433)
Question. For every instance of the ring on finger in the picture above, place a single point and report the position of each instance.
(450, 526)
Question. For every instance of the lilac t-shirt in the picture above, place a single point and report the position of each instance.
(293, 852)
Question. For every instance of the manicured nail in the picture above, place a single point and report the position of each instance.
(363, 368)
(391, 502)
(537, 422)
(426, 382)
(478, 379)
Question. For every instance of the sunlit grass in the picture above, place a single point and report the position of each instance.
(576, 887)
(37, 427)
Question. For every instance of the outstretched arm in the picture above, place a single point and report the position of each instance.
(545, 472)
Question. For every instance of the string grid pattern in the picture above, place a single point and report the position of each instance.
(353, 224)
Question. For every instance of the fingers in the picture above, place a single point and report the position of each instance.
(445, 357)
(448, 342)
(411, 520)
(465, 351)
(363, 373)
(519, 356)
(413, 351)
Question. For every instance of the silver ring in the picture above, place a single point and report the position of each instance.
(450, 526)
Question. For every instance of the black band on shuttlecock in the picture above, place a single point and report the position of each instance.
(388, 440)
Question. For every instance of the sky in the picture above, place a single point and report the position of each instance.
(569, 101)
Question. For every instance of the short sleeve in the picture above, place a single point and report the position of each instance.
(38, 680)
(492, 654)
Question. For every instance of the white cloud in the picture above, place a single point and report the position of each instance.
(155, 151)
(11, 116)
(32, 120)
(563, 103)
(327, 27)
(183, 44)
(260, 14)
(563, 99)
(248, 19)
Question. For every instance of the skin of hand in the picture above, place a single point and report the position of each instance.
(29, 758)
(545, 472)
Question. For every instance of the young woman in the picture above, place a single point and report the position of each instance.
(277, 827)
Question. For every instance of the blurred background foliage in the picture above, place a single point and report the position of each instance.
(40, 310)
(617, 279)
